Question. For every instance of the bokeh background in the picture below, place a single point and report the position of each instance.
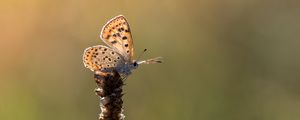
(223, 60)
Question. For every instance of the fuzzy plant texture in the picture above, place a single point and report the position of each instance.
(110, 93)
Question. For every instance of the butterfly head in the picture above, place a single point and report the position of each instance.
(134, 64)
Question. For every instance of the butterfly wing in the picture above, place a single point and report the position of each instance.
(101, 58)
(116, 34)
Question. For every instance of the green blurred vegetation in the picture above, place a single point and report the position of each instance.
(224, 60)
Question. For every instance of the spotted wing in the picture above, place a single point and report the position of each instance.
(101, 58)
(116, 34)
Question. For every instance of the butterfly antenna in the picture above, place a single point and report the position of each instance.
(149, 61)
(141, 54)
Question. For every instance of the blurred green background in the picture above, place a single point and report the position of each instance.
(223, 60)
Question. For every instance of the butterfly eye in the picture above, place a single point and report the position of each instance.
(135, 64)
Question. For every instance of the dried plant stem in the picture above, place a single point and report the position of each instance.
(110, 93)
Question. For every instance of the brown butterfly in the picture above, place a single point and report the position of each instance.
(118, 55)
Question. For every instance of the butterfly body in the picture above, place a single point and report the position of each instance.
(119, 55)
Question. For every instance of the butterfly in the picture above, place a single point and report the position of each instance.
(118, 54)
